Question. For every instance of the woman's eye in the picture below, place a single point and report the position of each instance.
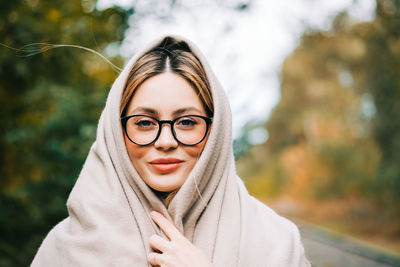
(145, 123)
(187, 122)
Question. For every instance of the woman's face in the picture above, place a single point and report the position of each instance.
(165, 164)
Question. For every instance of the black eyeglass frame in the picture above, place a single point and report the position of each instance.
(208, 121)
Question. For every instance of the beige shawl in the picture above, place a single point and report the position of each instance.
(109, 223)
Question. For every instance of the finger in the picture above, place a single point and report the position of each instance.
(166, 226)
(159, 243)
(155, 259)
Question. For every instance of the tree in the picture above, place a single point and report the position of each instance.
(50, 104)
(336, 131)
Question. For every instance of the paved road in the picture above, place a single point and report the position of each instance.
(328, 249)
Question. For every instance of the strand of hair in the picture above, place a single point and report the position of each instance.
(38, 48)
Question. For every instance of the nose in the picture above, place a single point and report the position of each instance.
(166, 140)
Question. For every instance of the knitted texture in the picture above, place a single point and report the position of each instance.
(109, 222)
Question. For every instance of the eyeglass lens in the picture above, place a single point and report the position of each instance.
(144, 130)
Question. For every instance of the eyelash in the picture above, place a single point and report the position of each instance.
(141, 122)
(192, 122)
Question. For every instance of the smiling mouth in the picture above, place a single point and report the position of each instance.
(165, 165)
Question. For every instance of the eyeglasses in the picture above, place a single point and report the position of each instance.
(187, 130)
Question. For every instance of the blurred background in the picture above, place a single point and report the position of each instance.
(314, 88)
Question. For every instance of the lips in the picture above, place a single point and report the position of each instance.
(165, 165)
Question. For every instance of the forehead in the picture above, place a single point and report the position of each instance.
(166, 93)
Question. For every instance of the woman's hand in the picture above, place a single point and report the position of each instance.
(175, 252)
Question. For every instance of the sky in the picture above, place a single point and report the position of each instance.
(245, 49)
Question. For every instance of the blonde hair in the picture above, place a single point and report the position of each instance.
(169, 56)
(175, 57)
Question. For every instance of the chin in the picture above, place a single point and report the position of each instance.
(162, 183)
(164, 189)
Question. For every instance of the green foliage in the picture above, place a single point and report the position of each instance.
(267, 182)
(336, 131)
(351, 168)
(382, 80)
(50, 104)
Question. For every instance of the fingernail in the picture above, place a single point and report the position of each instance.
(153, 213)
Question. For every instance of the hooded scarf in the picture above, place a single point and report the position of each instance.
(109, 222)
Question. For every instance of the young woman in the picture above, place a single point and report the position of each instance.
(159, 186)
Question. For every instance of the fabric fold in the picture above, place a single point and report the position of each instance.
(109, 206)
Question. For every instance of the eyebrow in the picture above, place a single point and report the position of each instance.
(144, 110)
(152, 111)
(184, 110)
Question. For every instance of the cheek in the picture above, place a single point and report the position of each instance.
(135, 152)
(195, 151)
